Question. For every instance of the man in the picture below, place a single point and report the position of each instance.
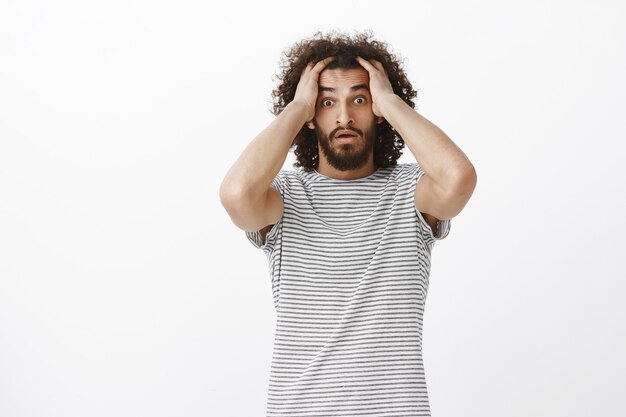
(348, 235)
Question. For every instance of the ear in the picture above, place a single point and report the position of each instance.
(310, 125)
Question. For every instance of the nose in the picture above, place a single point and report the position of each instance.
(344, 117)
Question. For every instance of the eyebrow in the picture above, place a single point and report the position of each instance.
(353, 88)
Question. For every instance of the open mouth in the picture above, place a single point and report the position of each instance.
(345, 135)
(346, 138)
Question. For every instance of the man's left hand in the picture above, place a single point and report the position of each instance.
(380, 86)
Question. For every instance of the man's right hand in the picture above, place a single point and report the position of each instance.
(246, 191)
(306, 91)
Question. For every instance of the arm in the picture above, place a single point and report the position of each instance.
(451, 177)
(246, 191)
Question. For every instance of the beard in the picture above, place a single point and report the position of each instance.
(346, 156)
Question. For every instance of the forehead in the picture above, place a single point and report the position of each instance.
(341, 77)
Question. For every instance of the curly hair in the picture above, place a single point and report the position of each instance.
(389, 144)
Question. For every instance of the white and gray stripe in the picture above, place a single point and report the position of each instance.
(349, 264)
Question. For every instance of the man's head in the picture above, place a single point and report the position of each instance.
(344, 123)
(342, 108)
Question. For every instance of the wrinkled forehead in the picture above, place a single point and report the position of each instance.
(340, 77)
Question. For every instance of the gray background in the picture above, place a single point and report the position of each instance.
(125, 289)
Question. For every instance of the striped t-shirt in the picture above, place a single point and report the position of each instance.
(349, 264)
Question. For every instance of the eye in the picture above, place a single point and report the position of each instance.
(360, 98)
(326, 100)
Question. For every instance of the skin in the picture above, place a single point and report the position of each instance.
(251, 201)
(344, 111)
(344, 102)
(348, 109)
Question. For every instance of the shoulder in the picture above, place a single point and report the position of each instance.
(406, 173)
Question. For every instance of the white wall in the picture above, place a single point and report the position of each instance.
(125, 289)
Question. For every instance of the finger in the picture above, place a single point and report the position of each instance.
(379, 65)
(365, 64)
(372, 65)
(307, 70)
(322, 63)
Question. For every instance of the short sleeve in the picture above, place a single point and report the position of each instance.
(255, 237)
(443, 225)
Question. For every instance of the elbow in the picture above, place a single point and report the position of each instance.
(465, 181)
(230, 198)
(225, 196)
(232, 204)
(460, 193)
(241, 208)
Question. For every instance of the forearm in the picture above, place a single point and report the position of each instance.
(251, 175)
(443, 161)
